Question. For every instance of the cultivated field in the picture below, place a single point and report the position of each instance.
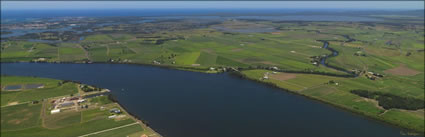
(378, 70)
(36, 118)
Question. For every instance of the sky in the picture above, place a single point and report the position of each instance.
(45, 5)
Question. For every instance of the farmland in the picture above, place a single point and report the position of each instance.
(382, 58)
(36, 118)
(51, 88)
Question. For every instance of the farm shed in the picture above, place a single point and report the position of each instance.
(54, 111)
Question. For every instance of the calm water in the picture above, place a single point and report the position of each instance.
(189, 104)
(13, 87)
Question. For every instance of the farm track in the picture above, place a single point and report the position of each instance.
(106, 130)
(85, 52)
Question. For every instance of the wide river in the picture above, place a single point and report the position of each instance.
(190, 104)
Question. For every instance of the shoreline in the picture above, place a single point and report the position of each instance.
(242, 76)
(136, 120)
(416, 132)
(143, 123)
(201, 70)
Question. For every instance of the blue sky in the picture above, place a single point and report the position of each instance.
(388, 5)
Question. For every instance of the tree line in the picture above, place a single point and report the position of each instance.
(388, 100)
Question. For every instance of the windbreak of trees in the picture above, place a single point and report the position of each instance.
(86, 88)
(388, 101)
(305, 71)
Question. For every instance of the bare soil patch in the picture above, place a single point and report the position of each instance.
(382, 52)
(402, 70)
(13, 103)
(17, 121)
(375, 102)
(283, 76)
(14, 121)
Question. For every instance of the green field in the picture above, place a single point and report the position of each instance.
(20, 117)
(126, 131)
(392, 48)
(51, 89)
(319, 87)
(35, 120)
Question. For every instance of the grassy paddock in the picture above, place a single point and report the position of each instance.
(51, 89)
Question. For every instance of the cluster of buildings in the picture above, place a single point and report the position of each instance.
(156, 62)
(266, 75)
(115, 112)
(66, 103)
(373, 76)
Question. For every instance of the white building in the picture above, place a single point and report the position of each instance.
(54, 111)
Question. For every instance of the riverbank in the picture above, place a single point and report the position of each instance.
(329, 86)
(198, 95)
(64, 108)
(346, 105)
(342, 105)
(150, 132)
(142, 123)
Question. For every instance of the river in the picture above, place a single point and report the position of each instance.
(180, 103)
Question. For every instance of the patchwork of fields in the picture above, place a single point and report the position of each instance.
(386, 58)
(31, 115)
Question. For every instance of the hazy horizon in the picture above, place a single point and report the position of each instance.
(98, 5)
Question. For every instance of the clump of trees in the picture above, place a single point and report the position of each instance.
(305, 71)
(86, 88)
(60, 83)
(388, 101)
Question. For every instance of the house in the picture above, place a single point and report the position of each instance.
(115, 110)
(81, 100)
(54, 111)
(266, 76)
(67, 104)
(112, 116)
(41, 59)
(156, 62)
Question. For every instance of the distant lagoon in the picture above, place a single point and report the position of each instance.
(15, 16)
(11, 16)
